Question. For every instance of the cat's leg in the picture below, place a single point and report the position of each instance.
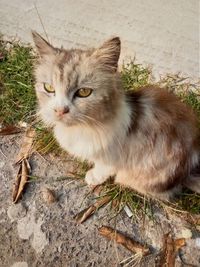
(141, 183)
(99, 174)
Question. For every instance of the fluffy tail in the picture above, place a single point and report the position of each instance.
(193, 183)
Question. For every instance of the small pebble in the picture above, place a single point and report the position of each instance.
(48, 195)
(2, 164)
(16, 212)
(186, 233)
(23, 124)
(20, 264)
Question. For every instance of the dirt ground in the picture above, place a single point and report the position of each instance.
(36, 234)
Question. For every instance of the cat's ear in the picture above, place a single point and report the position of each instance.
(108, 54)
(43, 47)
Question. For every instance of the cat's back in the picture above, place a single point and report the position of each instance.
(160, 115)
(158, 105)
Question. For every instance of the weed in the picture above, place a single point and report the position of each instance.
(17, 99)
(135, 75)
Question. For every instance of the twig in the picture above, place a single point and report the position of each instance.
(125, 241)
(170, 250)
(86, 213)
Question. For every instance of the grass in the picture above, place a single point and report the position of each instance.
(17, 99)
(135, 75)
(122, 197)
(189, 201)
(18, 103)
(17, 94)
(45, 141)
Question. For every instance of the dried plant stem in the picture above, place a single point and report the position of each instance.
(125, 241)
(86, 213)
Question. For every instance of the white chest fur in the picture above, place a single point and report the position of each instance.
(78, 141)
(87, 142)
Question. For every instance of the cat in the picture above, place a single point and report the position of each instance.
(147, 139)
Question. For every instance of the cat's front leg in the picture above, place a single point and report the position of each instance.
(99, 174)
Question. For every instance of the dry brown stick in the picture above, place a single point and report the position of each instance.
(86, 213)
(170, 249)
(97, 189)
(125, 241)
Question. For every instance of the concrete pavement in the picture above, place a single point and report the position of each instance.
(164, 34)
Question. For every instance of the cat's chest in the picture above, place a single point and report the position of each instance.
(78, 142)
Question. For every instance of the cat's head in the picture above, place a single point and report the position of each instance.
(77, 86)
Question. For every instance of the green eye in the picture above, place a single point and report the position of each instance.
(49, 88)
(83, 92)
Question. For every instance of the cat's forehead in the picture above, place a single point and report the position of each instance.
(71, 65)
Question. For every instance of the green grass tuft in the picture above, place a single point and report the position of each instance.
(45, 141)
(121, 197)
(135, 75)
(17, 94)
(17, 98)
(193, 100)
(189, 201)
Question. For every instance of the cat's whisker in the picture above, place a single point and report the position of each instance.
(45, 32)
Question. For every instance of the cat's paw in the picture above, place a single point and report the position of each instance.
(92, 178)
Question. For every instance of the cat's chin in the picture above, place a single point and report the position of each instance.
(67, 123)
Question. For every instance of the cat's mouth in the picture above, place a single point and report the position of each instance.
(67, 121)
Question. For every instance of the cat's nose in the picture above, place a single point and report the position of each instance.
(61, 111)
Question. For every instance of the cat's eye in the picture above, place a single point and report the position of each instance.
(49, 88)
(83, 92)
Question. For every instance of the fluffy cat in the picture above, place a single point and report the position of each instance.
(148, 139)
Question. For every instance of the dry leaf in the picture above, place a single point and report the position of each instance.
(21, 180)
(24, 167)
(26, 145)
(48, 195)
(16, 183)
(179, 243)
(10, 129)
(125, 241)
(170, 249)
(86, 213)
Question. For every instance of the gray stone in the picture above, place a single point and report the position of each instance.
(16, 212)
(27, 227)
(20, 264)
